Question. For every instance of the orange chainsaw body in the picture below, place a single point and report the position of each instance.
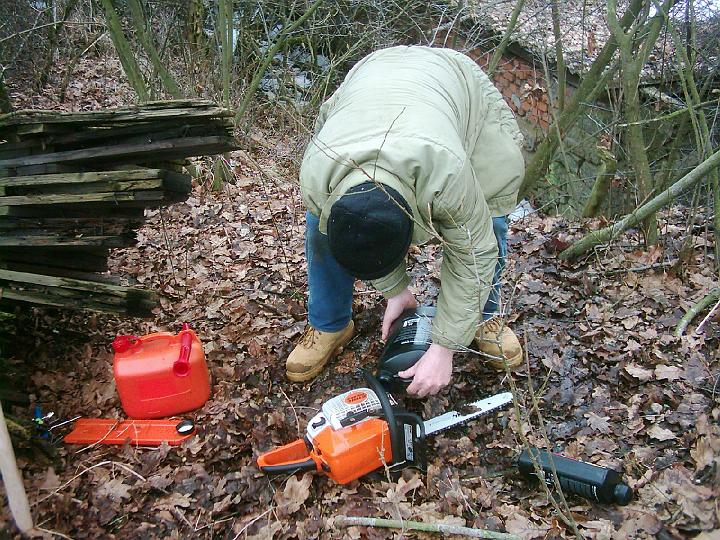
(344, 455)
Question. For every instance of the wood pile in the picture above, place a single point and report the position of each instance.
(75, 185)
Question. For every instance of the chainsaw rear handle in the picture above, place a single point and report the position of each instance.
(396, 442)
(290, 458)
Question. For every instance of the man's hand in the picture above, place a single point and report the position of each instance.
(395, 306)
(431, 373)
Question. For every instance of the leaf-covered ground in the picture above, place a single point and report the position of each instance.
(614, 387)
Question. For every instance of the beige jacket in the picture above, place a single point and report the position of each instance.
(430, 124)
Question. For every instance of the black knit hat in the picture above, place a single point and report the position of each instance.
(369, 230)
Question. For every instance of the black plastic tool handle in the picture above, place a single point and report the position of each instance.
(578, 477)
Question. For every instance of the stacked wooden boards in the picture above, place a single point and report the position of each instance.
(75, 185)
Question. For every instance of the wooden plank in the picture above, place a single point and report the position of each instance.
(65, 292)
(135, 306)
(63, 241)
(66, 283)
(74, 211)
(42, 299)
(171, 148)
(96, 135)
(81, 177)
(109, 197)
(47, 168)
(15, 149)
(89, 225)
(76, 258)
(61, 272)
(78, 189)
(135, 114)
(41, 129)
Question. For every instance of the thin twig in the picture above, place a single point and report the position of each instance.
(253, 521)
(54, 533)
(709, 315)
(292, 406)
(347, 521)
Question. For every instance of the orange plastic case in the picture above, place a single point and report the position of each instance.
(161, 374)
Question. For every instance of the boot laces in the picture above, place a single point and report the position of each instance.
(492, 329)
(309, 336)
(496, 324)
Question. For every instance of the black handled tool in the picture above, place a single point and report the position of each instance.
(583, 479)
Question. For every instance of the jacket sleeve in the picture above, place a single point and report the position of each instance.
(463, 221)
(394, 283)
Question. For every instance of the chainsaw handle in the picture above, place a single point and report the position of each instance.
(290, 467)
(290, 458)
(395, 441)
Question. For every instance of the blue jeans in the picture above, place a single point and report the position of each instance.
(331, 287)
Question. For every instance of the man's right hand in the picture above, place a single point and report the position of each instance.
(395, 306)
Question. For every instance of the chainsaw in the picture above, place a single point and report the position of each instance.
(364, 429)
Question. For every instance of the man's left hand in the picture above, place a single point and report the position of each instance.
(431, 373)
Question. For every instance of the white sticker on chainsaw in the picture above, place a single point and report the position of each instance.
(409, 450)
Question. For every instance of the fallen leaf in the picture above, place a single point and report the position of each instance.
(171, 501)
(399, 492)
(524, 528)
(598, 423)
(630, 322)
(669, 373)
(296, 492)
(639, 372)
(661, 434)
(115, 489)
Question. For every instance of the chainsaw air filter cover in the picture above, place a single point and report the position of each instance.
(409, 339)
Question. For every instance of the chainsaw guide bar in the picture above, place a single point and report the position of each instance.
(454, 418)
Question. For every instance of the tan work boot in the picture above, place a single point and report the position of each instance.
(490, 335)
(315, 348)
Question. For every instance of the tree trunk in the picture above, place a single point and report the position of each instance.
(635, 45)
(124, 51)
(593, 82)
(666, 197)
(269, 55)
(195, 26)
(52, 43)
(636, 145)
(221, 169)
(702, 131)
(166, 79)
(600, 189)
(497, 55)
(559, 59)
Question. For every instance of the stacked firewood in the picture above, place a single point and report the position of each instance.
(75, 185)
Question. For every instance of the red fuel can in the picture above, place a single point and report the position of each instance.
(160, 374)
